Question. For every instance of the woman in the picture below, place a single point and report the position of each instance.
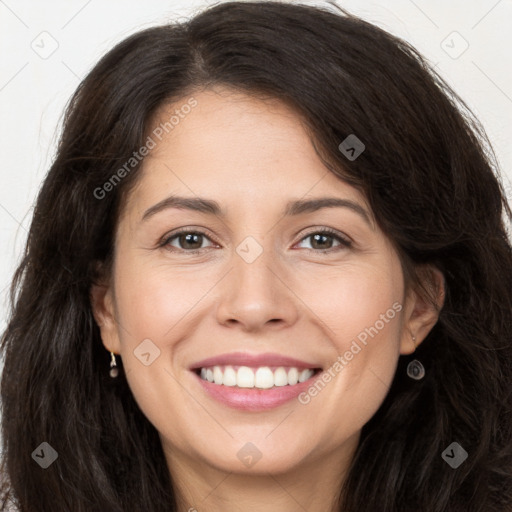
(369, 369)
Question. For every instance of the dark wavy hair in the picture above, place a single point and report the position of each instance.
(431, 178)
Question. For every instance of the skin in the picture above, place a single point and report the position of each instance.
(252, 157)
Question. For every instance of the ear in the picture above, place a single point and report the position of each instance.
(102, 303)
(421, 314)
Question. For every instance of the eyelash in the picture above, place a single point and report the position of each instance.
(344, 243)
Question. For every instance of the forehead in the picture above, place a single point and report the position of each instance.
(229, 128)
(235, 148)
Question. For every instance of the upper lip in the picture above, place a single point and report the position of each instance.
(254, 360)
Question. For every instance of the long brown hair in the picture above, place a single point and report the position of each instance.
(431, 179)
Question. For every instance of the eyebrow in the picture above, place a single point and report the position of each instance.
(294, 207)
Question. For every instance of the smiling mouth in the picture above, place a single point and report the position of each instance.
(263, 377)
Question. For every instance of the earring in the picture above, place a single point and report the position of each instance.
(415, 370)
(114, 370)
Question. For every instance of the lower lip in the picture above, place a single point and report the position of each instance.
(254, 399)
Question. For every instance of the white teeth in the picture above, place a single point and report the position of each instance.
(229, 378)
(245, 377)
(293, 376)
(280, 377)
(261, 378)
(264, 378)
(304, 375)
(217, 375)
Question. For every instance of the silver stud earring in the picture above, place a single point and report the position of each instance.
(114, 370)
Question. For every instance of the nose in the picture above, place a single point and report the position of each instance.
(257, 295)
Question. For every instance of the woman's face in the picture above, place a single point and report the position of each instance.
(254, 277)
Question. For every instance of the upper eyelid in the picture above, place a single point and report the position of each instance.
(182, 231)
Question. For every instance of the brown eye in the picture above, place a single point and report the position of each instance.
(187, 241)
(322, 241)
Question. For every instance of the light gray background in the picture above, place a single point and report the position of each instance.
(35, 86)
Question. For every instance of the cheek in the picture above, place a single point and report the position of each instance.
(363, 313)
(357, 302)
(153, 303)
(362, 309)
(154, 300)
